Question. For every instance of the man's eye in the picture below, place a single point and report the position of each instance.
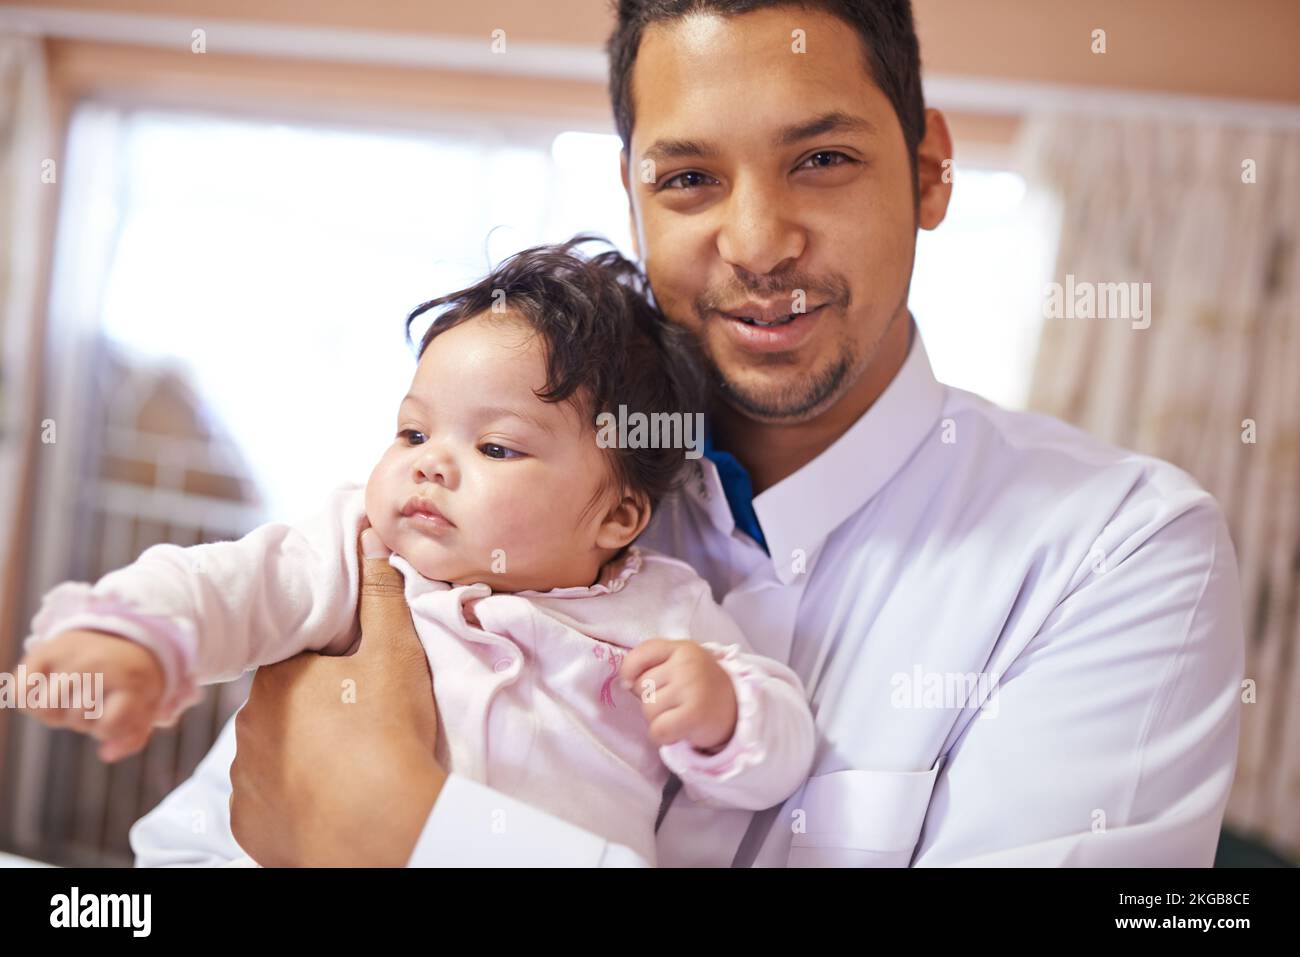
(820, 159)
(412, 437)
(697, 179)
(494, 451)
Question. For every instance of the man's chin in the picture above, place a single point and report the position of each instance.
(782, 395)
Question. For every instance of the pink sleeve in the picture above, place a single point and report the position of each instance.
(211, 612)
(771, 752)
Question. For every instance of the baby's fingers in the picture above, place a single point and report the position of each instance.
(44, 699)
(38, 707)
(125, 718)
(653, 688)
(643, 657)
(119, 748)
(670, 727)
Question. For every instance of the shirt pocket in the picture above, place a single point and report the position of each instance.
(857, 818)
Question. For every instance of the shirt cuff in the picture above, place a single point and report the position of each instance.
(74, 605)
(471, 825)
(746, 747)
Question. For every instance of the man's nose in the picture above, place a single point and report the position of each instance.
(759, 230)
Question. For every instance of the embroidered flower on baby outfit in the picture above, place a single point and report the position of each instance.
(615, 659)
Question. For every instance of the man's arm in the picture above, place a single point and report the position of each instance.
(1115, 733)
(191, 827)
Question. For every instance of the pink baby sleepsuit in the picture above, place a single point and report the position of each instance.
(525, 683)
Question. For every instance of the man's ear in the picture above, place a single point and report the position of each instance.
(631, 206)
(934, 171)
(623, 522)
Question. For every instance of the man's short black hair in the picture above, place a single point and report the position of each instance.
(893, 57)
(606, 344)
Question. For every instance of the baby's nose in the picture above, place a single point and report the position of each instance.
(435, 465)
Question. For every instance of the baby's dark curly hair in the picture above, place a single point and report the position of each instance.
(606, 344)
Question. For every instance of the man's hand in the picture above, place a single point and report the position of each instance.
(335, 763)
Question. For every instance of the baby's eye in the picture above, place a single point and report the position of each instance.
(494, 451)
(412, 437)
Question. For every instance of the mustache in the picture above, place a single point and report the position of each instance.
(832, 290)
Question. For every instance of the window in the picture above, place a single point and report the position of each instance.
(273, 266)
(977, 287)
(276, 264)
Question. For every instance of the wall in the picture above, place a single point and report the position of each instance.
(1243, 48)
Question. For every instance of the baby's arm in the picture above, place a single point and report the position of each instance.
(691, 689)
(210, 612)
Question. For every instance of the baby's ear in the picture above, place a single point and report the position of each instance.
(624, 521)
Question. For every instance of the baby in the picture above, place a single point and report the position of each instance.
(571, 668)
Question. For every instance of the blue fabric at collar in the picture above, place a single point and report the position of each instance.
(738, 487)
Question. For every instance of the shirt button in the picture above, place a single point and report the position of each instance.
(502, 664)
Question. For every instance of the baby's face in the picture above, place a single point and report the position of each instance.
(484, 481)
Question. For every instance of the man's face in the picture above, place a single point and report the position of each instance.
(781, 183)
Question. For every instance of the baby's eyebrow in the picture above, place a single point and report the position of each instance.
(488, 412)
(501, 411)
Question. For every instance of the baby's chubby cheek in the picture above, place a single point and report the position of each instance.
(380, 509)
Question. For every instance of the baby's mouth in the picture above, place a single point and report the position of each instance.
(424, 514)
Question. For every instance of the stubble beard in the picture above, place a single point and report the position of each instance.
(806, 396)
(799, 400)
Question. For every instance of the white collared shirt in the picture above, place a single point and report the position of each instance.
(1021, 646)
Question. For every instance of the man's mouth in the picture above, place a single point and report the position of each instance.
(759, 322)
(767, 315)
(766, 329)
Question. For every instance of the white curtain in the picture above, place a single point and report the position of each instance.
(24, 146)
(1209, 215)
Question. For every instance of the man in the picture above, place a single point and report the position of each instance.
(1021, 646)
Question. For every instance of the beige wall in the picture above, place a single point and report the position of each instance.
(301, 88)
(1232, 48)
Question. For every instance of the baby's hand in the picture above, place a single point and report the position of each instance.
(132, 689)
(684, 693)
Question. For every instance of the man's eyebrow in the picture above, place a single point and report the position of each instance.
(661, 150)
(836, 121)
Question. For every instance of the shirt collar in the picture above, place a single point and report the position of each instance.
(737, 488)
(800, 511)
